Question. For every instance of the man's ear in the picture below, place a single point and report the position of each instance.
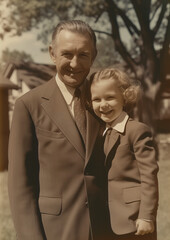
(51, 52)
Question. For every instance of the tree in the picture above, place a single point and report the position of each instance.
(148, 25)
(11, 56)
(146, 21)
(106, 56)
(14, 56)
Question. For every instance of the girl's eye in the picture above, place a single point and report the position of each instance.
(95, 100)
(110, 98)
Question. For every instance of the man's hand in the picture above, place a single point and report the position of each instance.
(144, 227)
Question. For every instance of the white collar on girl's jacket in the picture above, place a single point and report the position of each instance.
(119, 123)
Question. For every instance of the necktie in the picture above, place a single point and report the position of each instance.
(79, 114)
(107, 140)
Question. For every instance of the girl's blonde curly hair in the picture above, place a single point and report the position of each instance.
(130, 89)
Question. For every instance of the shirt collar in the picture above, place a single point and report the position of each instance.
(119, 123)
(67, 91)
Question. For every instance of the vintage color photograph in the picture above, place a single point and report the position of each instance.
(84, 120)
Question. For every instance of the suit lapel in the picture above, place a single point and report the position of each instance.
(114, 142)
(114, 137)
(56, 107)
(91, 135)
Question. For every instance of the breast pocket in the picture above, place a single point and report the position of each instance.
(50, 205)
(49, 134)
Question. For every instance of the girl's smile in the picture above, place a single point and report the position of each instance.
(107, 100)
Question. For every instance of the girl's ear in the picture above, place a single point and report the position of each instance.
(52, 55)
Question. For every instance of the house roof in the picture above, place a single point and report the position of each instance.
(32, 74)
(6, 83)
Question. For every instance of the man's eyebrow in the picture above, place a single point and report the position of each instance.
(85, 51)
(65, 50)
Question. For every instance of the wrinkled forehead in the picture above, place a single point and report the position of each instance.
(83, 33)
(72, 38)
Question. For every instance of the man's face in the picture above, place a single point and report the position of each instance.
(73, 56)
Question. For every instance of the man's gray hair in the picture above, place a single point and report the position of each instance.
(74, 26)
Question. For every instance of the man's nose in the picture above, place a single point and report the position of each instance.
(74, 62)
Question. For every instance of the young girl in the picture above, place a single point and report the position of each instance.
(130, 157)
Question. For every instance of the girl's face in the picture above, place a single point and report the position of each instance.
(107, 100)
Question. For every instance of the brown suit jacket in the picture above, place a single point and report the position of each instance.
(54, 190)
(132, 177)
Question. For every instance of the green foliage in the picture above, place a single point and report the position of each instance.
(106, 56)
(25, 15)
(17, 56)
(14, 56)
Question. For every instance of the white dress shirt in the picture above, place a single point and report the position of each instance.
(68, 94)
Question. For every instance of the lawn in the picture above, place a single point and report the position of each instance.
(7, 231)
(164, 188)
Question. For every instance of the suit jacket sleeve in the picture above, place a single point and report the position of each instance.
(23, 175)
(143, 146)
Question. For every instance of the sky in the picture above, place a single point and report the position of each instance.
(28, 43)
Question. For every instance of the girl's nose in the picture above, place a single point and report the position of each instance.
(104, 104)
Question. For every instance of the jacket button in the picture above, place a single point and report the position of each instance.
(86, 204)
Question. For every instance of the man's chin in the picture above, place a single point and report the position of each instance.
(72, 81)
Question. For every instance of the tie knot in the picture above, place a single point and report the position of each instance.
(108, 131)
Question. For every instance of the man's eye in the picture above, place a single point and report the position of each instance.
(83, 55)
(66, 54)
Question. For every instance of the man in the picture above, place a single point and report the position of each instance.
(54, 163)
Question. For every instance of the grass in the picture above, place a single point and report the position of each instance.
(163, 218)
(7, 231)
